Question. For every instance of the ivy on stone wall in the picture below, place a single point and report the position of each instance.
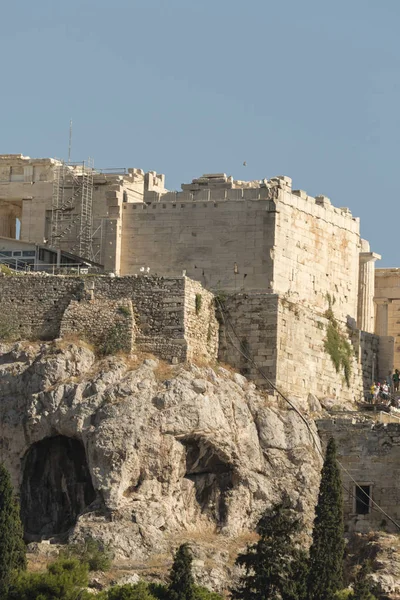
(337, 345)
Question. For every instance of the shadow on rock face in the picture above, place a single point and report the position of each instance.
(56, 487)
(212, 478)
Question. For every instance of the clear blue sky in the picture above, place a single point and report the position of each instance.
(309, 89)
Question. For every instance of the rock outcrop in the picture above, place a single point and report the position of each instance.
(145, 455)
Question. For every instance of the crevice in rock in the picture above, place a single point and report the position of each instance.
(212, 477)
(56, 487)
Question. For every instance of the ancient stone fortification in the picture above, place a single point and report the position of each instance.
(172, 318)
(370, 453)
(287, 341)
(294, 255)
(176, 319)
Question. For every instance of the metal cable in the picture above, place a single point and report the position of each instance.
(303, 418)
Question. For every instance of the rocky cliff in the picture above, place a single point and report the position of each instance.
(145, 455)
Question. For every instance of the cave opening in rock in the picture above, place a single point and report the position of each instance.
(212, 477)
(56, 487)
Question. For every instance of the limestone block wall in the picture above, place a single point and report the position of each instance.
(249, 324)
(317, 252)
(303, 364)
(108, 324)
(287, 341)
(223, 244)
(371, 455)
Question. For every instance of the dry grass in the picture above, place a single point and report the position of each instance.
(74, 338)
(163, 371)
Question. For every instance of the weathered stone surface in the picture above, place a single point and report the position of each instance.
(173, 453)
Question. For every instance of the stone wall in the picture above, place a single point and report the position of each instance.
(371, 455)
(201, 325)
(317, 252)
(205, 239)
(249, 324)
(287, 341)
(40, 307)
(107, 324)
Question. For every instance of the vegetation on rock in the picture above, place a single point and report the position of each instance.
(92, 552)
(65, 579)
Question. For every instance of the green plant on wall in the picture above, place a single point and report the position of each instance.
(337, 345)
(198, 303)
(124, 311)
(115, 340)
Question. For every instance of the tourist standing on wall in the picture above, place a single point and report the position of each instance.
(396, 379)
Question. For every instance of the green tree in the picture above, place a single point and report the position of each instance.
(327, 548)
(12, 547)
(362, 586)
(66, 579)
(271, 563)
(181, 586)
(95, 553)
(137, 591)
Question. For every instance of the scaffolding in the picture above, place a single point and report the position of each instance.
(71, 212)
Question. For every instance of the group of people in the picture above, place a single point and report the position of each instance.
(385, 390)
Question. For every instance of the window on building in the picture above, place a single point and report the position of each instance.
(17, 253)
(5, 253)
(362, 493)
(47, 256)
(28, 253)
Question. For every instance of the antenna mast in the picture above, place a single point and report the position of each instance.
(70, 141)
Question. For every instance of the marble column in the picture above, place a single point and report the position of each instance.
(366, 290)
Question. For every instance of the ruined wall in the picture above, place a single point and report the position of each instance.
(201, 325)
(39, 307)
(203, 238)
(371, 455)
(107, 324)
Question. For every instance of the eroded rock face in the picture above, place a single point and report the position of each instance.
(172, 453)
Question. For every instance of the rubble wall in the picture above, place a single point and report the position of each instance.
(42, 307)
(107, 324)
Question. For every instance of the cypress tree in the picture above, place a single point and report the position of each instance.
(362, 587)
(181, 586)
(12, 547)
(274, 568)
(327, 548)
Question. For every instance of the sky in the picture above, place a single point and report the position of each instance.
(307, 89)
